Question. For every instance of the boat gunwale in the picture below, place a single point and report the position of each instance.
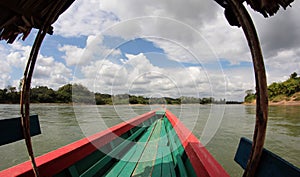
(202, 161)
(57, 160)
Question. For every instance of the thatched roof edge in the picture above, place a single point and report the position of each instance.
(18, 17)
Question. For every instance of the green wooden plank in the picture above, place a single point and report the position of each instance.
(171, 141)
(166, 164)
(102, 162)
(173, 148)
(146, 162)
(117, 169)
(173, 135)
(157, 169)
(176, 149)
(160, 112)
(158, 164)
(97, 166)
(181, 167)
(189, 168)
(89, 160)
(175, 153)
(73, 171)
(140, 146)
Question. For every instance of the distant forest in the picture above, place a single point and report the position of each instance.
(280, 91)
(43, 94)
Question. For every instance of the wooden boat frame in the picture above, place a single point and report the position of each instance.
(242, 19)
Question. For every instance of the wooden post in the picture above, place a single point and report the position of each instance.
(26, 84)
(261, 86)
(25, 96)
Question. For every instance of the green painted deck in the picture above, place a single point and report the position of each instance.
(151, 149)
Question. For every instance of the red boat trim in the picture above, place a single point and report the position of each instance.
(54, 162)
(202, 161)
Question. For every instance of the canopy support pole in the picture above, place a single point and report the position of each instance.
(25, 96)
(261, 86)
(25, 93)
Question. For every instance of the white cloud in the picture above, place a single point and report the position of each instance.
(189, 31)
(226, 41)
(281, 65)
(84, 18)
(72, 54)
(48, 71)
(199, 27)
(5, 69)
(138, 76)
(238, 81)
(51, 73)
(93, 51)
(191, 12)
(18, 55)
(176, 51)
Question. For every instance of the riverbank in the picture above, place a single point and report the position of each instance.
(285, 103)
(281, 100)
(292, 103)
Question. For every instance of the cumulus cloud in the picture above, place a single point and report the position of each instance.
(281, 65)
(191, 12)
(278, 34)
(238, 80)
(137, 75)
(72, 54)
(93, 51)
(194, 34)
(48, 71)
(198, 26)
(18, 55)
(5, 68)
(84, 18)
(51, 73)
(280, 38)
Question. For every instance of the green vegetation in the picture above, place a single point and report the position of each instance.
(296, 96)
(250, 97)
(77, 93)
(280, 91)
(9, 95)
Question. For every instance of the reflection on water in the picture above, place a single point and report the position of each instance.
(63, 124)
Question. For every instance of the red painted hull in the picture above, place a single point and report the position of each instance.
(203, 162)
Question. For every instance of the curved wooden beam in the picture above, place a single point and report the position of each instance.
(261, 85)
(25, 97)
(28, 73)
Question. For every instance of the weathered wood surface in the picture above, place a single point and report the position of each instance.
(11, 129)
(270, 163)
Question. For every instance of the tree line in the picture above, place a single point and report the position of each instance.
(279, 91)
(77, 93)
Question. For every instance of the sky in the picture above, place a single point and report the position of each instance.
(156, 48)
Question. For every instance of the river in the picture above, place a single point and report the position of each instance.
(219, 127)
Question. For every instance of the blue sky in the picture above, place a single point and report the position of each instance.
(186, 49)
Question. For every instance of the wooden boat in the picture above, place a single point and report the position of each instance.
(153, 144)
(86, 157)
